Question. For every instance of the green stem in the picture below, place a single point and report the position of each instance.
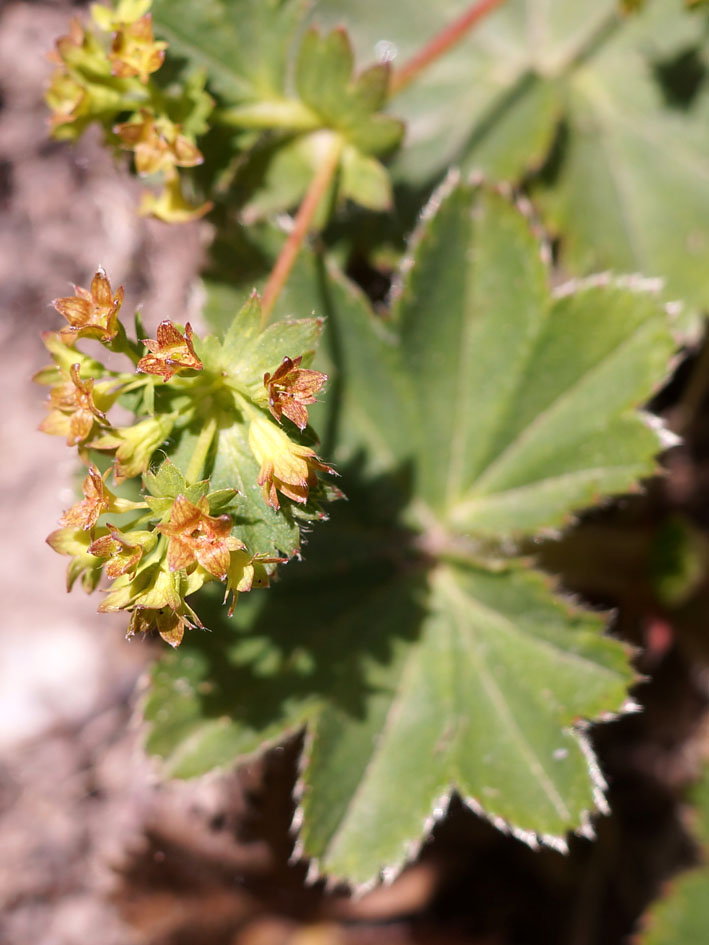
(122, 344)
(201, 451)
(440, 44)
(285, 115)
(303, 222)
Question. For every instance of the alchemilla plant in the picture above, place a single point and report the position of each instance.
(480, 392)
(222, 413)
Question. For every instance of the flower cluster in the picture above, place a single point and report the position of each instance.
(106, 72)
(163, 531)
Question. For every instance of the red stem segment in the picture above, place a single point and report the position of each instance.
(304, 218)
(441, 43)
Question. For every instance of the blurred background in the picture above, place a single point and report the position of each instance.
(94, 845)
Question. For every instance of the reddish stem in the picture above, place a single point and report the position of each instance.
(441, 43)
(303, 221)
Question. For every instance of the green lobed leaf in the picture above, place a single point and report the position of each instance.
(484, 672)
(464, 679)
(411, 653)
(525, 399)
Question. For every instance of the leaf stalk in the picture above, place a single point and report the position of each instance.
(438, 45)
(303, 221)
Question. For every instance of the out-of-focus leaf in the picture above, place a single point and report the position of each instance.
(483, 105)
(627, 189)
(682, 915)
(242, 44)
(624, 98)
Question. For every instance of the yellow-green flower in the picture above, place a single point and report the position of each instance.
(135, 445)
(157, 144)
(135, 51)
(170, 204)
(75, 542)
(286, 467)
(125, 11)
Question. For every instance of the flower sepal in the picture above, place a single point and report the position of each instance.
(97, 500)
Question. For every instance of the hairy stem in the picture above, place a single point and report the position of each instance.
(441, 43)
(201, 450)
(303, 221)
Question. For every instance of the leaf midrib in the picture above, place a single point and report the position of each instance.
(461, 512)
(460, 604)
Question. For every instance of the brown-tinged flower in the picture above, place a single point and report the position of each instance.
(171, 352)
(135, 51)
(66, 98)
(73, 411)
(68, 45)
(245, 572)
(91, 313)
(157, 598)
(136, 444)
(170, 624)
(196, 537)
(157, 145)
(286, 467)
(124, 550)
(290, 389)
(98, 499)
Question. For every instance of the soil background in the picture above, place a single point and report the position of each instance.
(95, 846)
